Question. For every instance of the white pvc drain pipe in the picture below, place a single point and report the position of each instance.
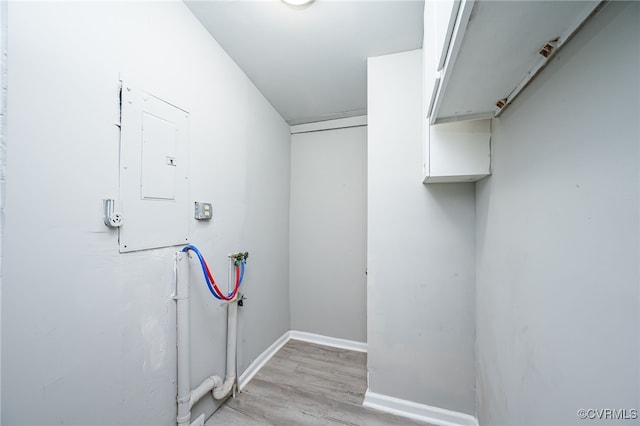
(187, 398)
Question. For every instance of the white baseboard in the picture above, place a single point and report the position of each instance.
(319, 339)
(261, 360)
(376, 401)
(413, 410)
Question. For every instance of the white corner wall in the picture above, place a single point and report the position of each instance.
(88, 334)
(558, 235)
(3, 142)
(420, 293)
(328, 226)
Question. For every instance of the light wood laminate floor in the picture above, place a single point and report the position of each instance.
(306, 384)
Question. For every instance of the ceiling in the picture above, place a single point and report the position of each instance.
(310, 62)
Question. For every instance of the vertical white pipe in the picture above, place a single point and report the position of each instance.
(186, 397)
(182, 332)
(232, 324)
(230, 377)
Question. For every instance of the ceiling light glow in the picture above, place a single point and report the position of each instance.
(297, 2)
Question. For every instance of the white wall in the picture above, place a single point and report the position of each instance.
(328, 225)
(88, 334)
(420, 250)
(3, 141)
(557, 237)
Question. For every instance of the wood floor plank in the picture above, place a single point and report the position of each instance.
(327, 383)
(228, 416)
(306, 384)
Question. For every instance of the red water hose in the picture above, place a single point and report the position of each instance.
(215, 286)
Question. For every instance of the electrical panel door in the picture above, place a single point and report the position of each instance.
(154, 160)
(159, 163)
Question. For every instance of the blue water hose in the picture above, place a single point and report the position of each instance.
(204, 270)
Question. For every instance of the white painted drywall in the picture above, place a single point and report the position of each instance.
(88, 334)
(557, 237)
(328, 226)
(3, 156)
(420, 251)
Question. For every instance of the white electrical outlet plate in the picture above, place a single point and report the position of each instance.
(203, 211)
(112, 216)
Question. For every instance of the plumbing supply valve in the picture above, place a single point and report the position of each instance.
(239, 257)
(241, 299)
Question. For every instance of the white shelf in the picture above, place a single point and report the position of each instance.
(493, 51)
(458, 152)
